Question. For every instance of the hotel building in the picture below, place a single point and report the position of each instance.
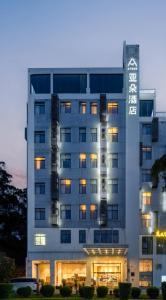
(92, 138)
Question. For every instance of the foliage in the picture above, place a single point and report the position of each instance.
(7, 268)
(124, 290)
(152, 292)
(12, 218)
(86, 292)
(135, 292)
(5, 290)
(24, 292)
(47, 290)
(158, 166)
(102, 291)
(65, 291)
(163, 289)
(116, 292)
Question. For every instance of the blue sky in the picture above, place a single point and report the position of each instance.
(71, 33)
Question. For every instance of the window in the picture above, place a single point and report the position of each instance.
(82, 236)
(93, 108)
(146, 220)
(113, 185)
(106, 236)
(93, 211)
(114, 160)
(147, 152)
(65, 107)
(39, 163)
(160, 245)
(82, 186)
(65, 236)
(146, 198)
(39, 188)
(113, 134)
(65, 135)
(82, 134)
(40, 239)
(82, 107)
(65, 186)
(147, 245)
(145, 265)
(93, 186)
(146, 175)
(69, 83)
(82, 160)
(146, 108)
(147, 129)
(112, 211)
(65, 212)
(103, 134)
(39, 108)
(40, 84)
(39, 213)
(65, 160)
(39, 137)
(93, 160)
(106, 83)
(93, 133)
(82, 212)
(112, 107)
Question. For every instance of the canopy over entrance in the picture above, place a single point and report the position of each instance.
(106, 250)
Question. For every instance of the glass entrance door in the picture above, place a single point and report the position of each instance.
(108, 274)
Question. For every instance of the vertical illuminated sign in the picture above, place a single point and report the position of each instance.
(132, 68)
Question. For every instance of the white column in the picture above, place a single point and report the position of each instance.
(28, 268)
(52, 272)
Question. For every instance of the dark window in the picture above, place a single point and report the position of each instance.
(82, 134)
(146, 129)
(65, 236)
(65, 160)
(40, 84)
(93, 186)
(65, 107)
(147, 152)
(106, 236)
(69, 83)
(39, 108)
(106, 83)
(147, 245)
(113, 185)
(39, 137)
(160, 245)
(39, 213)
(82, 236)
(112, 212)
(66, 212)
(114, 160)
(65, 135)
(93, 133)
(146, 108)
(146, 175)
(39, 188)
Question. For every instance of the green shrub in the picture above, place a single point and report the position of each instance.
(86, 292)
(124, 290)
(102, 291)
(24, 292)
(163, 289)
(47, 290)
(116, 292)
(66, 291)
(135, 292)
(5, 290)
(152, 292)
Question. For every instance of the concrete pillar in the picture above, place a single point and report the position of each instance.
(88, 272)
(28, 268)
(52, 272)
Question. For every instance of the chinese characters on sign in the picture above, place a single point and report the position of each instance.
(132, 92)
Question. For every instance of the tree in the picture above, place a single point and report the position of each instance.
(7, 268)
(13, 219)
(158, 167)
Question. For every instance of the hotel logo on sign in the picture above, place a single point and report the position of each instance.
(132, 68)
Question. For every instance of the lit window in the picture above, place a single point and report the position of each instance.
(147, 152)
(146, 197)
(93, 211)
(82, 212)
(82, 186)
(112, 107)
(93, 133)
(93, 160)
(39, 163)
(93, 186)
(39, 108)
(146, 220)
(145, 265)
(82, 160)
(113, 134)
(93, 108)
(40, 239)
(65, 107)
(82, 107)
(65, 186)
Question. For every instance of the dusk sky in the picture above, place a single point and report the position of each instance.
(71, 33)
